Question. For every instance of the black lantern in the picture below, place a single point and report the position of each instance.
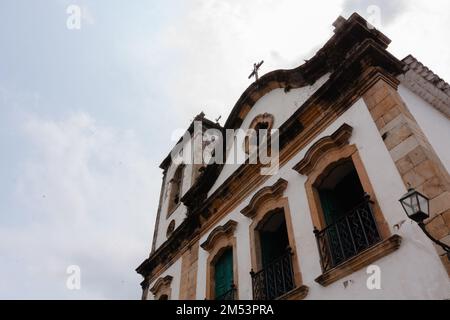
(416, 205)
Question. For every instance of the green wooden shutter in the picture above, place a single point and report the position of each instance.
(329, 206)
(223, 277)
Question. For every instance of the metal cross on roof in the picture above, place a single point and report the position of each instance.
(255, 70)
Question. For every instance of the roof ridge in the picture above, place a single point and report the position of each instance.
(412, 63)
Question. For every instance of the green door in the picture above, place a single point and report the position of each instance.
(223, 277)
(330, 206)
(273, 244)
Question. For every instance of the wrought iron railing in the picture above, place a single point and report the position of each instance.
(348, 236)
(229, 295)
(276, 279)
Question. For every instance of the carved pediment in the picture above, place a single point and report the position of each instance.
(226, 230)
(337, 140)
(260, 197)
(161, 283)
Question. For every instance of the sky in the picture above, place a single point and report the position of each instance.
(88, 114)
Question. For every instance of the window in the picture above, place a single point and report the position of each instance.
(276, 276)
(275, 270)
(175, 189)
(350, 225)
(161, 290)
(221, 270)
(350, 228)
(258, 136)
(223, 276)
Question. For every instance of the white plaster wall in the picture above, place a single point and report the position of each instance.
(243, 256)
(278, 103)
(175, 271)
(412, 272)
(434, 124)
(180, 212)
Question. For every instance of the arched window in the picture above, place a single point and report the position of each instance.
(221, 271)
(275, 275)
(275, 269)
(349, 226)
(161, 290)
(349, 222)
(258, 135)
(273, 237)
(175, 189)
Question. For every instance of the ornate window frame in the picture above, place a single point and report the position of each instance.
(261, 118)
(218, 241)
(162, 287)
(319, 160)
(261, 206)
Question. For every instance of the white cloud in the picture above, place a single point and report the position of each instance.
(88, 195)
(389, 10)
(220, 40)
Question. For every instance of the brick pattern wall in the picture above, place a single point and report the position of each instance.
(189, 266)
(414, 157)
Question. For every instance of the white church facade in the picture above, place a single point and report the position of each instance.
(355, 129)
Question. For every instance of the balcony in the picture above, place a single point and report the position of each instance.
(276, 279)
(229, 295)
(348, 236)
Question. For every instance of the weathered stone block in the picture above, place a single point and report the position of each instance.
(412, 179)
(404, 148)
(440, 204)
(427, 169)
(432, 188)
(437, 228)
(404, 165)
(397, 135)
(391, 114)
(417, 155)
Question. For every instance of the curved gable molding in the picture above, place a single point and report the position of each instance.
(337, 140)
(225, 230)
(351, 32)
(260, 197)
(160, 283)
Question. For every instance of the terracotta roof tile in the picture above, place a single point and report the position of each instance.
(412, 63)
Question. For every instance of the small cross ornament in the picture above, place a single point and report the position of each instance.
(255, 70)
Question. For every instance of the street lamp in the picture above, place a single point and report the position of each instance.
(416, 205)
(417, 208)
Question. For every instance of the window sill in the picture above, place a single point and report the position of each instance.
(360, 261)
(298, 293)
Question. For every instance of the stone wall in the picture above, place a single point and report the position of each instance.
(189, 266)
(414, 157)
